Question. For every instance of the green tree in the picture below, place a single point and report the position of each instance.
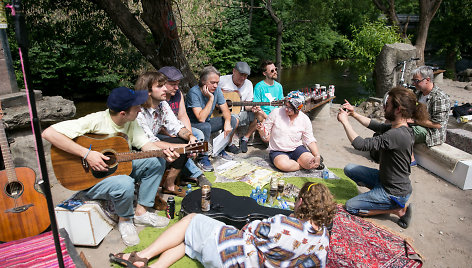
(366, 45)
(451, 30)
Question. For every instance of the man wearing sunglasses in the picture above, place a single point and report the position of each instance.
(268, 89)
(433, 130)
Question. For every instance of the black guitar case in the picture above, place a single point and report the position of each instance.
(228, 208)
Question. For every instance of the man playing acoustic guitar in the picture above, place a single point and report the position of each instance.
(238, 83)
(124, 106)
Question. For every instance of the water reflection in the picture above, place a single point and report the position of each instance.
(324, 73)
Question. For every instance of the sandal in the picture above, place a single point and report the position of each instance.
(133, 257)
(178, 191)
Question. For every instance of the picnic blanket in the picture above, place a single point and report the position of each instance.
(37, 251)
(356, 242)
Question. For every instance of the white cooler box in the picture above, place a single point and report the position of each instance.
(87, 225)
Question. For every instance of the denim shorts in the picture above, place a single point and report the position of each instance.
(245, 118)
(201, 240)
(294, 155)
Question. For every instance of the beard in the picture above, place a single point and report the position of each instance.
(390, 115)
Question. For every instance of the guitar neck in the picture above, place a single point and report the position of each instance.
(250, 103)
(129, 156)
(7, 158)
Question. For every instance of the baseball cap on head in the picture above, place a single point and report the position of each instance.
(243, 67)
(172, 73)
(296, 99)
(122, 98)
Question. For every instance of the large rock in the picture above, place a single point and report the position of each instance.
(18, 125)
(386, 75)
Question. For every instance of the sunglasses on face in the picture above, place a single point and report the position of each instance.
(273, 70)
(417, 81)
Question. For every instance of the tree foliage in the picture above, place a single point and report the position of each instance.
(367, 43)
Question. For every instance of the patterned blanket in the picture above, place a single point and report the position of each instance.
(355, 242)
(37, 251)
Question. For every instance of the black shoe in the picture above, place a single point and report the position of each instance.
(202, 180)
(232, 149)
(243, 145)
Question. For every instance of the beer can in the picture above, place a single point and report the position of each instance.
(280, 188)
(206, 197)
(331, 90)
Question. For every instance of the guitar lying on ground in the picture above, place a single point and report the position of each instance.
(234, 103)
(76, 175)
(23, 210)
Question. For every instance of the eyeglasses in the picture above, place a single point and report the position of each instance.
(273, 70)
(417, 81)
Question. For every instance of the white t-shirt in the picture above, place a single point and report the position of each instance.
(246, 91)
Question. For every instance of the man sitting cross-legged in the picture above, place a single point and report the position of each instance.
(123, 108)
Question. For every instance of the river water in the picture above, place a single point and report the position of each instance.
(324, 73)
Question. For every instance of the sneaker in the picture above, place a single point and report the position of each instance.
(205, 164)
(226, 156)
(151, 219)
(413, 164)
(202, 180)
(232, 149)
(243, 145)
(128, 232)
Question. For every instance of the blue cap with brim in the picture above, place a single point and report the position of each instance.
(122, 98)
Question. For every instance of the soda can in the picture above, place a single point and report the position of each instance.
(170, 207)
(206, 197)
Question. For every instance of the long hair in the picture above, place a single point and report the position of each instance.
(317, 205)
(405, 99)
(146, 81)
(205, 73)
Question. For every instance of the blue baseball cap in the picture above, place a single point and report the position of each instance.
(122, 98)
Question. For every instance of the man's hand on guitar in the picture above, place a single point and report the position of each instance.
(96, 161)
(170, 154)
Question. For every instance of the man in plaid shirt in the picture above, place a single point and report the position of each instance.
(432, 131)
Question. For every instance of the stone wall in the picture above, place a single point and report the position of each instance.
(18, 126)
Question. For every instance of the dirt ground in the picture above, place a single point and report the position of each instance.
(441, 227)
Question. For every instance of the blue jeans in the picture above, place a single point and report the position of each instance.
(215, 124)
(375, 199)
(190, 167)
(120, 188)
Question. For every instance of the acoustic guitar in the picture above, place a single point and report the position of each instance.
(23, 209)
(75, 174)
(234, 103)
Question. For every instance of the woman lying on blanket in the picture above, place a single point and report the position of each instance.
(279, 241)
(287, 129)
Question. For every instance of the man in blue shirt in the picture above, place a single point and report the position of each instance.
(200, 102)
(268, 89)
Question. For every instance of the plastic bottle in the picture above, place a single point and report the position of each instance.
(189, 189)
(325, 173)
(263, 197)
(280, 203)
(258, 192)
(456, 103)
(253, 194)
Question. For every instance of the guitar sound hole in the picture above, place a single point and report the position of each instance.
(112, 161)
(14, 189)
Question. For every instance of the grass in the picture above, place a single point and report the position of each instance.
(342, 189)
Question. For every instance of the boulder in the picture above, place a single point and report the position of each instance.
(386, 73)
(19, 130)
(468, 87)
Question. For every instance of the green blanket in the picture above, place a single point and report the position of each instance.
(342, 189)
